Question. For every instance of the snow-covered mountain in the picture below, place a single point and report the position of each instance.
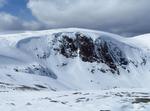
(73, 59)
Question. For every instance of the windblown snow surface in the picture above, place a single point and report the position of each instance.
(74, 70)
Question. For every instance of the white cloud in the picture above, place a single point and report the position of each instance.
(9, 22)
(112, 15)
(33, 25)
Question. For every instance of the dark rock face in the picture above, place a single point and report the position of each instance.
(104, 55)
(100, 50)
(68, 47)
(86, 48)
(110, 54)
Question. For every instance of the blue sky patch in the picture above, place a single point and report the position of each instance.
(18, 8)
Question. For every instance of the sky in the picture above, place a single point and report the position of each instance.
(123, 17)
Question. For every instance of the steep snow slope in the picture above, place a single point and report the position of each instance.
(66, 59)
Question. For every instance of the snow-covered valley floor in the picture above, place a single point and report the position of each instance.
(99, 100)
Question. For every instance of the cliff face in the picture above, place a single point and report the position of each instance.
(99, 50)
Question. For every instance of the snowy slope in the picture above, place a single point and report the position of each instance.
(73, 59)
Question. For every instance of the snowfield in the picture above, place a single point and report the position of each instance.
(99, 100)
(74, 70)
